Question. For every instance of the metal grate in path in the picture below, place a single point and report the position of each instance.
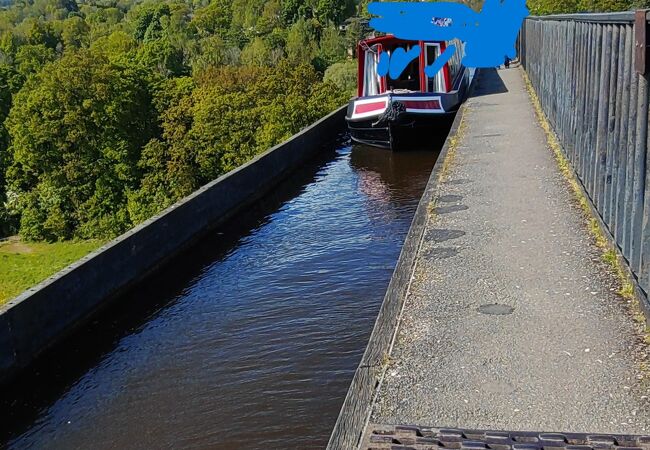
(399, 437)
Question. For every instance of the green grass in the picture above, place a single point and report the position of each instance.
(25, 264)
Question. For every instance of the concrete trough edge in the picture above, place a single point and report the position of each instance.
(357, 406)
(47, 312)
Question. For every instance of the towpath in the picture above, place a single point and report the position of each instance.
(513, 321)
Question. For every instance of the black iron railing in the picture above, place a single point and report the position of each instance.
(591, 76)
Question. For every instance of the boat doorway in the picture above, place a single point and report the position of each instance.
(409, 79)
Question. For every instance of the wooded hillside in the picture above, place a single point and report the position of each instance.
(111, 110)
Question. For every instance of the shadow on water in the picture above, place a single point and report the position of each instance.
(248, 339)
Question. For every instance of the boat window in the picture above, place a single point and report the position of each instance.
(435, 84)
(454, 62)
(370, 77)
(410, 77)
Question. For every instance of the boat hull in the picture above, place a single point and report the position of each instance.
(395, 119)
(399, 120)
(411, 130)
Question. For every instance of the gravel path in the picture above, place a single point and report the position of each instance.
(564, 354)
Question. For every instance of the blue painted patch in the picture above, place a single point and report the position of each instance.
(434, 68)
(397, 62)
(489, 36)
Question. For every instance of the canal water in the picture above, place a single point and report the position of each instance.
(248, 340)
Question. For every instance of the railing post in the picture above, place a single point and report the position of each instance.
(622, 140)
(638, 190)
(600, 153)
(641, 33)
(641, 191)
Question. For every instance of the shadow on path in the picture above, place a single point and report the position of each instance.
(489, 82)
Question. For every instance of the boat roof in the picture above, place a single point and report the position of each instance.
(387, 39)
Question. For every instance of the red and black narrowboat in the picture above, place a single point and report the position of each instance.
(391, 112)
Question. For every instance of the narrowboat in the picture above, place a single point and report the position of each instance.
(390, 112)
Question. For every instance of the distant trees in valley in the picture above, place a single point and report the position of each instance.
(112, 110)
(545, 7)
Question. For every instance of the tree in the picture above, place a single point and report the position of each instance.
(271, 17)
(343, 75)
(291, 98)
(212, 53)
(227, 117)
(111, 110)
(167, 162)
(301, 42)
(32, 58)
(225, 120)
(207, 130)
(277, 39)
(257, 53)
(75, 32)
(115, 46)
(39, 32)
(76, 131)
(56, 9)
(542, 7)
(162, 57)
(293, 10)
(245, 13)
(356, 30)
(253, 12)
(10, 82)
(8, 46)
(603, 5)
(333, 10)
(147, 24)
(213, 19)
(332, 46)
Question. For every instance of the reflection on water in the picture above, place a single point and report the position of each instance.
(250, 339)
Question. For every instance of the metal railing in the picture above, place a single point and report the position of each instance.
(590, 74)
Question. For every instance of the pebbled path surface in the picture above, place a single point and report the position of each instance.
(507, 231)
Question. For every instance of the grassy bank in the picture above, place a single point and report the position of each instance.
(25, 264)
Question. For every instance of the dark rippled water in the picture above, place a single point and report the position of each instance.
(250, 339)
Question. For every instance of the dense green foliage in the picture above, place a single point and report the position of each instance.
(111, 110)
(544, 7)
(343, 74)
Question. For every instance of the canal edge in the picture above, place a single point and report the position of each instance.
(46, 313)
(355, 412)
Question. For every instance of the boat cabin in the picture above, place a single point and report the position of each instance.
(390, 112)
(413, 78)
